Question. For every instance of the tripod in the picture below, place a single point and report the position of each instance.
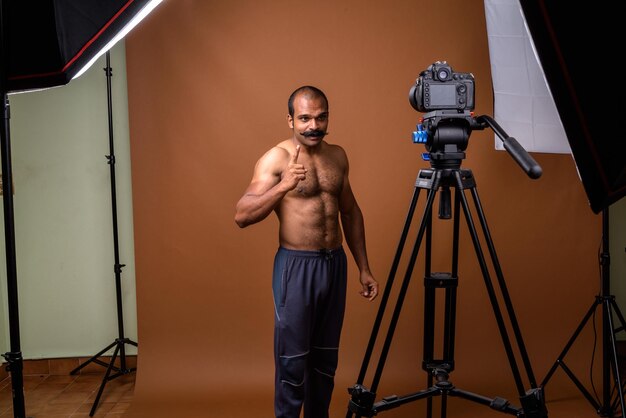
(121, 341)
(610, 363)
(449, 133)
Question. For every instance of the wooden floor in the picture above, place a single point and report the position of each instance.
(64, 396)
(253, 407)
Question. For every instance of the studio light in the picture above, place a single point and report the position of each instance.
(134, 22)
(51, 42)
(584, 84)
(44, 44)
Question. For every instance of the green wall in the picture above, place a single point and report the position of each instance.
(63, 218)
(617, 237)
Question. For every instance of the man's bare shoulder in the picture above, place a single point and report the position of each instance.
(278, 155)
(337, 153)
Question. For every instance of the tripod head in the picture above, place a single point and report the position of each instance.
(445, 133)
(448, 99)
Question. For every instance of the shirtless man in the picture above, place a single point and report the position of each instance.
(304, 180)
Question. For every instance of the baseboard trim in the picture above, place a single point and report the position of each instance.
(63, 366)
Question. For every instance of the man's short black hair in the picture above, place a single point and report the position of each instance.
(312, 92)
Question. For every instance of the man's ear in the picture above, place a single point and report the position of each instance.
(290, 121)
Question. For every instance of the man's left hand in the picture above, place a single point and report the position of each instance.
(370, 286)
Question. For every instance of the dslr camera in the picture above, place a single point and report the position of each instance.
(440, 88)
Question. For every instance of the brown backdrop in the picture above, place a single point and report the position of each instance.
(208, 83)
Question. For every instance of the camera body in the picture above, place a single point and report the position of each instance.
(440, 88)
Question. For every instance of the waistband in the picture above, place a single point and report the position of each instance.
(323, 252)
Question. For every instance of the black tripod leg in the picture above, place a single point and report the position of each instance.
(388, 286)
(490, 290)
(405, 284)
(385, 297)
(362, 399)
(429, 400)
(504, 291)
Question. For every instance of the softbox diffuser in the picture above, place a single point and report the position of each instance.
(586, 86)
(48, 42)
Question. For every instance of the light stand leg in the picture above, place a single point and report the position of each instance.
(606, 407)
(611, 352)
(107, 377)
(121, 341)
(618, 388)
(560, 361)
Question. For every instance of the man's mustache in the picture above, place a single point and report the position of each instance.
(314, 133)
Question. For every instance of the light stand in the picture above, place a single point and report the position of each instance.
(448, 134)
(121, 341)
(610, 363)
(14, 357)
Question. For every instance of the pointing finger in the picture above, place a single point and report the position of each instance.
(294, 157)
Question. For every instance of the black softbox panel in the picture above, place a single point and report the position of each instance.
(48, 41)
(586, 85)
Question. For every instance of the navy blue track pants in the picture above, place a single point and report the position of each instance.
(309, 297)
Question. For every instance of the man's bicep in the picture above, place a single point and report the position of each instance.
(261, 184)
(266, 175)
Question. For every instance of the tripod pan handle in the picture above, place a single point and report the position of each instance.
(523, 158)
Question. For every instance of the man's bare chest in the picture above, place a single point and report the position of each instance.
(321, 177)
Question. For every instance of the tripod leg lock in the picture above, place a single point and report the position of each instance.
(361, 401)
(534, 404)
(499, 404)
(14, 360)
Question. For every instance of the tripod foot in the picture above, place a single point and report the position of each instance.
(361, 401)
(534, 404)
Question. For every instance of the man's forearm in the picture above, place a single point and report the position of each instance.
(254, 208)
(354, 230)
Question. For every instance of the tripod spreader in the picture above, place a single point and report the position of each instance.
(362, 401)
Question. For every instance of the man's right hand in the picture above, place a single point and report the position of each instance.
(295, 172)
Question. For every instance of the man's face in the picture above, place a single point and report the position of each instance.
(309, 121)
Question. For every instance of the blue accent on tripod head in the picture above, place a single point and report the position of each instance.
(420, 136)
(426, 156)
